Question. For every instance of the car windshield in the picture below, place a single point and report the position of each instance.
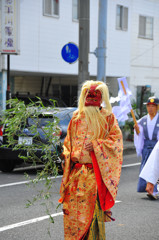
(41, 121)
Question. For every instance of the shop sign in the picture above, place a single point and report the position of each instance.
(10, 26)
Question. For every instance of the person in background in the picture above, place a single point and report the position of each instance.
(145, 141)
(92, 155)
(150, 172)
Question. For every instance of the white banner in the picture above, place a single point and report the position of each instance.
(10, 26)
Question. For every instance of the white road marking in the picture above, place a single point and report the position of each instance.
(34, 220)
(131, 165)
(24, 182)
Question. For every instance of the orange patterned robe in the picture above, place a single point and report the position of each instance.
(80, 182)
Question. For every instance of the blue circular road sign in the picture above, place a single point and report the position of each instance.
(69, 52)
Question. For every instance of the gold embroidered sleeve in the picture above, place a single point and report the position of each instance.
(109, 154)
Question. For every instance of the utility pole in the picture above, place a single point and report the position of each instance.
(8, 93)
(84, 16)
(101, 50)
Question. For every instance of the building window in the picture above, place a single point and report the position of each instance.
(146, 27)
(65, 94)
(75, 9)
(122, 18)
(51, 8)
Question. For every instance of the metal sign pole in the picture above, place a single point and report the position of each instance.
(101, 50)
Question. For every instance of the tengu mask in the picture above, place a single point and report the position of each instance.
(93, 97)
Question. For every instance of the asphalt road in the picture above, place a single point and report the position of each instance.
(137, 217)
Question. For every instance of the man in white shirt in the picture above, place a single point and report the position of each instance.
(148, 128)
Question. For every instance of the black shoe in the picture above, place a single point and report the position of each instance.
(152, 197)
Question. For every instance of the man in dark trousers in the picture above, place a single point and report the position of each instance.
(148, 128)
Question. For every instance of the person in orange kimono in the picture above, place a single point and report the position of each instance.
(93, 154)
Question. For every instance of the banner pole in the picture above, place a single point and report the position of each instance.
(132, 112)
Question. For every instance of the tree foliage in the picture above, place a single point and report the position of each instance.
(18, 119)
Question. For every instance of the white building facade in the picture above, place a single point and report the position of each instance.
(144, 60)
(132, 47)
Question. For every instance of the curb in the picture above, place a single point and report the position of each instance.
(129, 148)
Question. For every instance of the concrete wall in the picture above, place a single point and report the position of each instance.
(118, 42)
(42, 38)
(144, 52)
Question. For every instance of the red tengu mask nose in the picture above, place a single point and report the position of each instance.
(93, 97)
